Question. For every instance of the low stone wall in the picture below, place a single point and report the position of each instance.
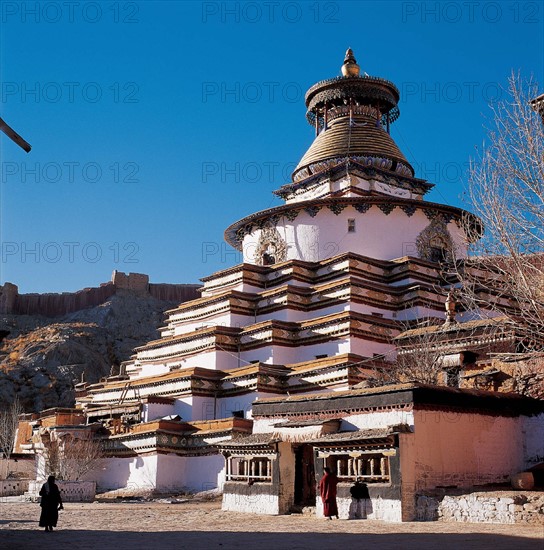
(496, 507)
(70, 491)
(13, 487)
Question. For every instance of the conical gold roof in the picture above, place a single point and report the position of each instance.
(349, 113)
(359, 138)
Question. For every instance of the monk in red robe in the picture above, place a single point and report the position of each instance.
(327, 490)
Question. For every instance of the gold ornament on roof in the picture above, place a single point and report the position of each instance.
(350, 67)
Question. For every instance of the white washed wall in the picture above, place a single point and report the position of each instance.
(251, 504)
(380, 508)
(132, 473)
(70, 491)
(224, 319)
(326, 235)
(183, 406)
(203, 408)
(376, 419)
(152, 411)
(161, 472)
(191, 473)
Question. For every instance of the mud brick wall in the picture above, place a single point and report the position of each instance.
(56, 304)
(174, 293)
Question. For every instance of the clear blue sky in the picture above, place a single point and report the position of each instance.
(155, 125)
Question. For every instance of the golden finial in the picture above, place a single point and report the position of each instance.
(350, 67)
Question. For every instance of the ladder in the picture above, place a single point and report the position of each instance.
(124, 393)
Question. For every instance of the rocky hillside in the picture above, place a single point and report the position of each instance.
(41, 357)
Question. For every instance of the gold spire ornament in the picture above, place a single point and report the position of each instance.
(350, 67)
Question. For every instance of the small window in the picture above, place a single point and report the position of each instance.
(268, 259)
(438, 255)
(351, 225)
(372, 467)
(250, 469)
(321, 356)
(238, 414)
(438, 250)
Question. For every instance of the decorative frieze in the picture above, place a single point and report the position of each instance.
(271, 248)
(386, 208)
(431, 213)
(408, 209)
(360, 167)
(236, 233)
(336, 208)
(362, 207)
(291, 214)
(435, 243)
(312, 210)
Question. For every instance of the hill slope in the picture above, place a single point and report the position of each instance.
(41, 357)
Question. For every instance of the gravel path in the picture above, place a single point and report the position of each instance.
(194, 525)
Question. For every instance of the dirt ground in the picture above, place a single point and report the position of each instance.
(195, 525)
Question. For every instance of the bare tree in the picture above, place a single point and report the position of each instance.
(505, 271)
(80, 457)
(71, 459)
(420, 355)
(9, 422)
(51, 454)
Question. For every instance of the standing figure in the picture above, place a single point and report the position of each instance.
(327, 490)
(51, 504)
(361, 499)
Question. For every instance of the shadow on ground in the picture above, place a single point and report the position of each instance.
(6, 521)
(120, 540)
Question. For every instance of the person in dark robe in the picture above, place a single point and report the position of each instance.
(51, 503)
(327, 490)
(360, 499)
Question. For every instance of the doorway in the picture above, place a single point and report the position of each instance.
(305, 484)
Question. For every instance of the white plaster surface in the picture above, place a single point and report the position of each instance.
(71, 491)
(377, 419)
(161, 472)
(377, 235)
(221, 319)
(134, 473)
(193, 473)
(152, 411)
(251, 503)
(380, 508)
